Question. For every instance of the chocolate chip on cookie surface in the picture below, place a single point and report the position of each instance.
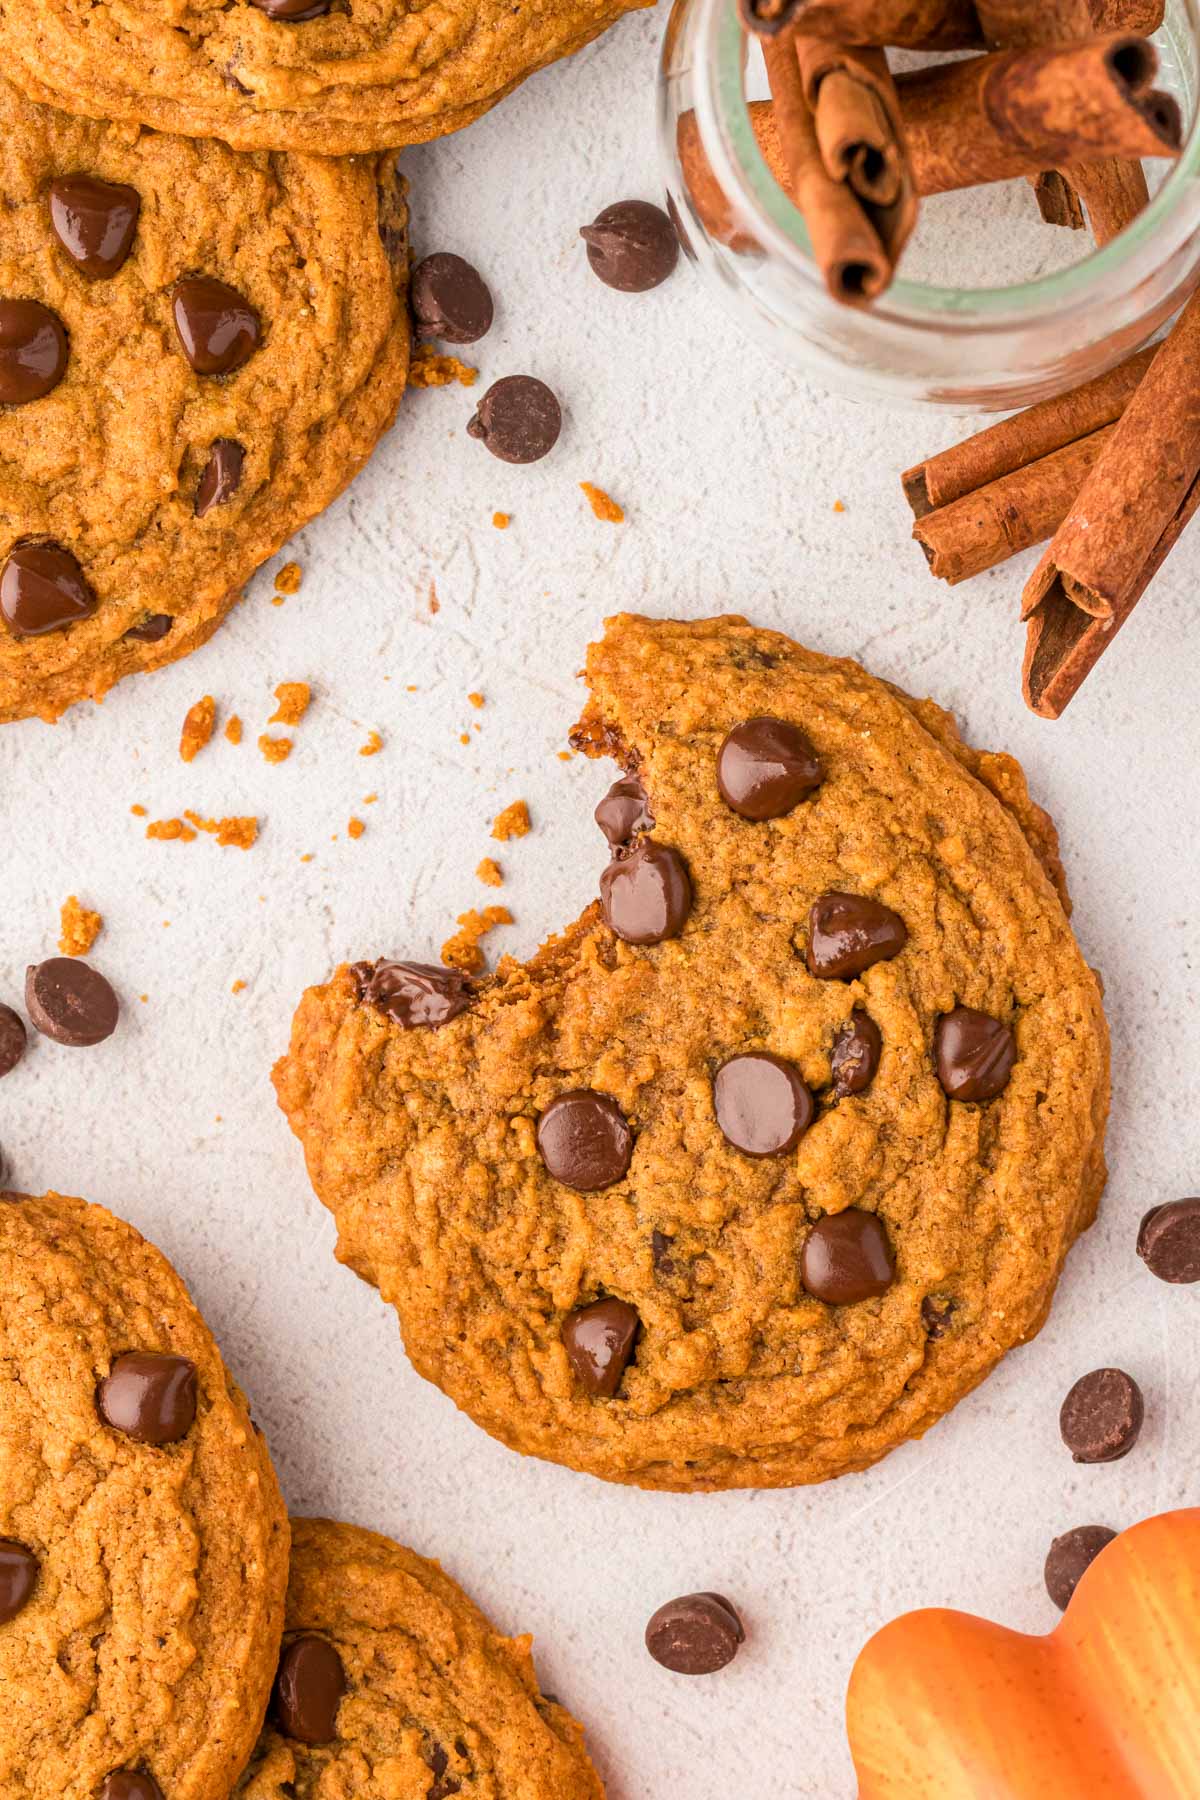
(181, 392)
(391, 1681)
(696, 1209)
(144, 1548)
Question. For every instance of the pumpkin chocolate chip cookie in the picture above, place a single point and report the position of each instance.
(197, 351)
(768, 1159)
(144, 1556)
(324, 76)
(392, 1683)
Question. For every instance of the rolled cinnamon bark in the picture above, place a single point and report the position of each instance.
(1113, 193)
(1143, 16)
(1025, 24)
(1058, 201)
(859, 129)
(910, 24)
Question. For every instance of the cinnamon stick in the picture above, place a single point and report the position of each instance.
(908, 24)
(1058, 201)
(1142, 16)
(1113, 193)
(1026, 24)
(859, 129)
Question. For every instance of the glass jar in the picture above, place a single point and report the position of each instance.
(974, 348)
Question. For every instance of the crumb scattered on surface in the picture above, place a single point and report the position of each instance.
(373, 745)
(278, 599)
(490, 872)
(602, 504)
(238, 987)
(430, 369)
(275, 749)
(462, 950)
(435, 605)
(79, 927)
(356, 828)
(839, 506)
(412, 688)
(139, 812)
(475, 699)
(236, 833)
(294, 698)
(513, 822)
(288, 580)
(501, 521)
(307, 857)
(197, 728)
(565, 755)
(233, 731)
(369, 799)
(169, 831)
(464, 737)
(143, 998)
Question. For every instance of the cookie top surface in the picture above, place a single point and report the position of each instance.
(647, 1285)
(433, 1701)
(164, 434)
(315, 75)
(159, 1541)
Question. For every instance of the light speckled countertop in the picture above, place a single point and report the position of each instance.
(729, 471)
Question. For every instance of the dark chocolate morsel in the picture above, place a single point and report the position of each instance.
(599, 1342)
(847, 933)
(12, 1039)
(1069, 1558)
(293, 12)
(152, 629)
(695, 1635)
(585, 1140)
(1102, 1416)
(519, 419)
(974, 1053)
(646, 893)
(43, 588)
(766, 767)
(217, 327)
(415, 994)
(936, 1314)
(847, 1257)
(450, 299)
(762, 1105)
(856, 1052)
(221, 475)
(1169, 1241)
(130, 1784)
(33, 351)
(150, 1397)
(94, 221)
(624, 812)
(70, 1002)
(632, 246)
(18, 1578)
(309, 1688)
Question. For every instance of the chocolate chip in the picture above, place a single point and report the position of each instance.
(599, 1342)
(43, 588)
(94, 221)
(585, 1140)
(451, 300)
(974, 1053)
(221, 475)
(414, 994)
(18, 1578)
(130, 1784)
(71, 1002)
(646, 893)
(763, 1107)
(1069, 1558)
(847, 1257)
(695, 1635)
(149, 1397)
(624, 812)
(856, 1052)
(1102, 1416)
(1169, 1241)
(519, 419)
(152, 630)
(847, 933)
(218, 329)
(12, 1039)
(308, 1690)
(660, 1251)
(766, 767)
(936, 1314)
(33, 351)
(443, 1784)
(632, 246)
(292, 12)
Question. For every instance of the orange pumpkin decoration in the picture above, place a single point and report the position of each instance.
(943, 1706)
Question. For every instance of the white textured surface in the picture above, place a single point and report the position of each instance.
(729, 471)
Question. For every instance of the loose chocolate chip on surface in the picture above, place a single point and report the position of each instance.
(12, 1039)
(847, 933)
(1070, 1556)
(43, 588)
(646, 893)
(130, 1784)
(18, 1578)
(585, 1140)
(519, 419)
(70, 1002)
(1169, 1241)
(599, 1342)
(632, 246)
(221, 475)
(975, 1054)
(152, 630)
(94, 221)
(856, 1052)
(766, 767)
(1102, 1416)
(624, 812)
(451, 300)
(149, 1397)
(695, 1635)
(217, 327)
(308, 1690)
(33, 351)
(847, 1257)
(415, 994)
(762, 1105)
(936, 1314)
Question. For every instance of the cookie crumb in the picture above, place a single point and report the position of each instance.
(139, 812)
(373, 745)
(278, 599)
(236, 833)
(238, 987)
(369, 799)
(233, 731)
(288, 580)
(462, 950)
(355, 828)
(602, 504)
(197, 728)
(430, 369)
(513, 822)
(565, 755)
(435, 605)
(80, 928)
(294, 698)
(839, 506)
(490, 873)
(476, 700)
(307, 857)
(501, 521)
(275, 749)
(464, 737)
(169, 831)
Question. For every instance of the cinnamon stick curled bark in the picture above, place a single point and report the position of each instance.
(859, 129)
(910, 24)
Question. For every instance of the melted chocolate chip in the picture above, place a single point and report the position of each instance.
(308, 1690)
(1102, 1416)
(443, 1784)
(70, 1002)
(847, 1257)
(766, 767)
(624, 812)
(18, 1578)
(415, 994)
(130, 1784)
(1070, 1556)
(43, 588)
(519, 419)
(660, 1251)
(936, 1314)
(33, 351)
(451, 300)
(585, 1140)
(632, 246)
(599, 1342)
(974, 1054)
(94, 221)
(152, 629)
(856, 1052)
(12, 1039)
(1169, 1241)
(847, 933)
(218, 329)
(763, 1107)
(292, 12)
(149, 1397)
(695, 1635)
(646, 893)
(221, 475)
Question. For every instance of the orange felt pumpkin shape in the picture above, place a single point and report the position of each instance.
(943, 1706)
